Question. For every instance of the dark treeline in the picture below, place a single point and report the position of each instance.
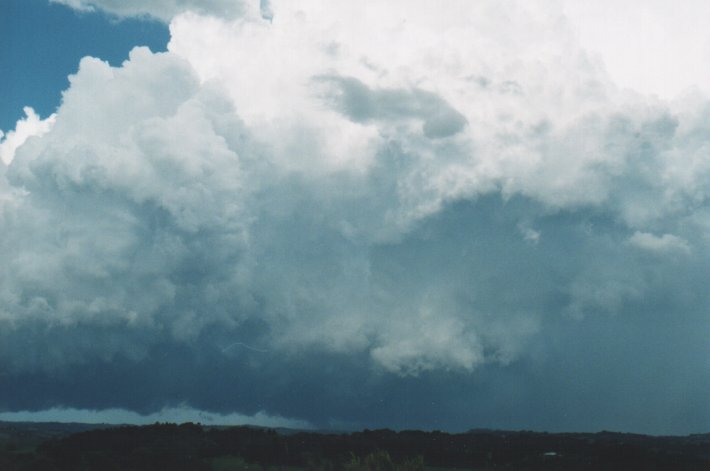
(194, 447)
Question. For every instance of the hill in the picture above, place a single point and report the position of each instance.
(194, 447)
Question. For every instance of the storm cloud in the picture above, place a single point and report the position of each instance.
(395, 214)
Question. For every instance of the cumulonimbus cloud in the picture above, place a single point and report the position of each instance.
(425, 185)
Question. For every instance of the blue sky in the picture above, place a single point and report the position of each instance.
(42, 44)
(356, 214)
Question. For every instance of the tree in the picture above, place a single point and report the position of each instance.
(381, 461)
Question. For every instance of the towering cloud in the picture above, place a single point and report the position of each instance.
(399, 189)
(25, 128)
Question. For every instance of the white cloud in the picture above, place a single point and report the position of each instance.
(31, 125)
(529, 234)
(649, 46)
(663, 243)
(178, 415)
(163, 10)
(534, 114)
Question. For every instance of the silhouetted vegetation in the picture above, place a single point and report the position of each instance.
(194, 447)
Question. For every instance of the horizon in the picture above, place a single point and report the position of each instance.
(344, 431)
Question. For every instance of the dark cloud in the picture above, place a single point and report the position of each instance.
(604, 370)
(361, 104)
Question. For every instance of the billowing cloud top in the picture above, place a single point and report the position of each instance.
(422, 188)
(31, 126)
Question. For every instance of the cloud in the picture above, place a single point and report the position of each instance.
(654, 243)
(163, 10)
(178, 415)
(360, 104)
(662, 53)
(26, 128)
(347, 209)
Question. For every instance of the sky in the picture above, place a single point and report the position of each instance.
(405, 214)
